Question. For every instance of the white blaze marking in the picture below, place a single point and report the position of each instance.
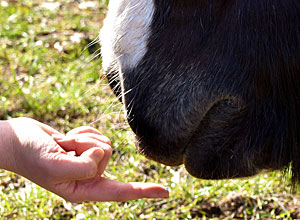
(125, 32)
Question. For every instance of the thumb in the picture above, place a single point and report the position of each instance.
(85, 166)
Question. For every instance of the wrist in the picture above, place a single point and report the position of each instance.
(7, 145)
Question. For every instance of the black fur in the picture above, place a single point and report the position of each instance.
(219, 88)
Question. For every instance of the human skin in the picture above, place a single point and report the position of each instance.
(44, 156)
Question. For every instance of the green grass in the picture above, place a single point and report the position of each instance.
(47, 72)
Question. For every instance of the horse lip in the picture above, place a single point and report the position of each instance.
(173, 153)
(158, 158)
(164, 159)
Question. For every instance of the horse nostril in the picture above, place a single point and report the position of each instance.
(221, 113)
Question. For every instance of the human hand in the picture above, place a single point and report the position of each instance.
(99, 188)
(35, 155)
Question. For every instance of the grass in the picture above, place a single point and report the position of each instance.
(48, 72)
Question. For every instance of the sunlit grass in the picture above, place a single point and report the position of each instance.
(47, 73)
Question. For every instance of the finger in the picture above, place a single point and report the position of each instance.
(84, 129)
(80, 143)
(105, 189)
(97, 136)
(69, 168)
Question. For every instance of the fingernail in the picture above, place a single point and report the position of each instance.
(167, 191)
(98, 154)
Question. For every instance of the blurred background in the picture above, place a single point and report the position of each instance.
(50, 70)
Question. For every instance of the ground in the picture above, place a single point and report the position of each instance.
(50, 70)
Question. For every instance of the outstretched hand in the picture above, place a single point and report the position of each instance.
(69, 165)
